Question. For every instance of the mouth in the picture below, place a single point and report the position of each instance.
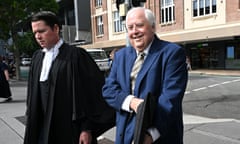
(41, 42)
(137, 38)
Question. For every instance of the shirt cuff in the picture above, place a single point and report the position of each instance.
(126, 103)
(154, 133)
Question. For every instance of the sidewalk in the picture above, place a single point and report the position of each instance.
(197, 130)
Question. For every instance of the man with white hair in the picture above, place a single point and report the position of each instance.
(163, 74)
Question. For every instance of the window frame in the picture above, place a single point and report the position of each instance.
(202, 8)
(99, 25)
(167, 11)
(98, 3)
(118, 25)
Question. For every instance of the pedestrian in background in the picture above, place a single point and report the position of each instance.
(111, 56)
(163, 74)
(5, 91)
(64, 101)
(188, 61)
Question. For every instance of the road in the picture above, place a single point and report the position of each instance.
(211, 112)
(213, 96)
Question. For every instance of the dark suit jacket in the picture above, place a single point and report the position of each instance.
(163, 74)
(74, 103)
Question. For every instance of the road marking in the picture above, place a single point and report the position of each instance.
(226, 82)
(198, 89)
(187, 92)
(237, 80)
(194, 119)
(211, 86)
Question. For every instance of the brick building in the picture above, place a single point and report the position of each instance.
(209, 30)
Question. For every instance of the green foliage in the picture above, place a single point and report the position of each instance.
(27, 43)
(15, 13)
(15, 17)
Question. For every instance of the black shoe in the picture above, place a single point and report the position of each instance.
(8, 99)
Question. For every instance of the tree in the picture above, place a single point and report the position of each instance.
(14, 22)
(26, 43)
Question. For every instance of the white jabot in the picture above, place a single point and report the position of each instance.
(50, 55)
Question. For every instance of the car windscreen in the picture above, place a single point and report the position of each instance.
(98, 54)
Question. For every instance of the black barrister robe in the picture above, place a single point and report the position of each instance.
(75, 102)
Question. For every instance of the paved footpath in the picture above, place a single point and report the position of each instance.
(197, 130)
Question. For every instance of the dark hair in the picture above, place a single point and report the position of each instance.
(49, 17)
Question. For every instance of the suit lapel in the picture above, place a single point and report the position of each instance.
(131, 56)
(152, 56)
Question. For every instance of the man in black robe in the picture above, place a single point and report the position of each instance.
(64, 102)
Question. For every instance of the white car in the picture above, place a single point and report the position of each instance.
(100, 57)
(26, 61)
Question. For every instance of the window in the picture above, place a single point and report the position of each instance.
(167, 11)
(204, 7)
(230, 52)
(100, 30)
(118, 25)
(98, 3)
(233, 52)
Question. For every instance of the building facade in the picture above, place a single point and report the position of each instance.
(76, 19)
(209, 30)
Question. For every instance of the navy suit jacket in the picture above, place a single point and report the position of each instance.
(164, 74)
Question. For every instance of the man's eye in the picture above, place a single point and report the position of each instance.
(41, 31)
(130, 27)
(139, 25)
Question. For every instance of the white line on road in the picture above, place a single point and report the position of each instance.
(187, 92)
(210, 86)
(198, 89)
(237, 80)
(194, 119)
(226, 82)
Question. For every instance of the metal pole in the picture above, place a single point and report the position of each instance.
(128, 3)
(76, 19)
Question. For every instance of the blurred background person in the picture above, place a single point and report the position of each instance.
(188, 61)
(5, 91)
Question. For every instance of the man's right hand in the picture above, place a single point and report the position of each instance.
(135, 102)
(85, 137)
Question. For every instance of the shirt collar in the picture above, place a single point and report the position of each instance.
(55, 47)
(146, 50)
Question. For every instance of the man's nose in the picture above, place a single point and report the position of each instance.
(38, 36)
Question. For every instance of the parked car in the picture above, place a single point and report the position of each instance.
(101, 58)
(26, 61)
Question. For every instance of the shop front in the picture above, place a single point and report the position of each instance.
(214, 54)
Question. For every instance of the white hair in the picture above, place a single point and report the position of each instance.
(148, 14)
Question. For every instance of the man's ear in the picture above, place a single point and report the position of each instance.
(56, 28)
(154, 27)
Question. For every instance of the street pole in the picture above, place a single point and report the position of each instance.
(76, 19)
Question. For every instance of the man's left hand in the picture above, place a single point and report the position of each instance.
(147, 139)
